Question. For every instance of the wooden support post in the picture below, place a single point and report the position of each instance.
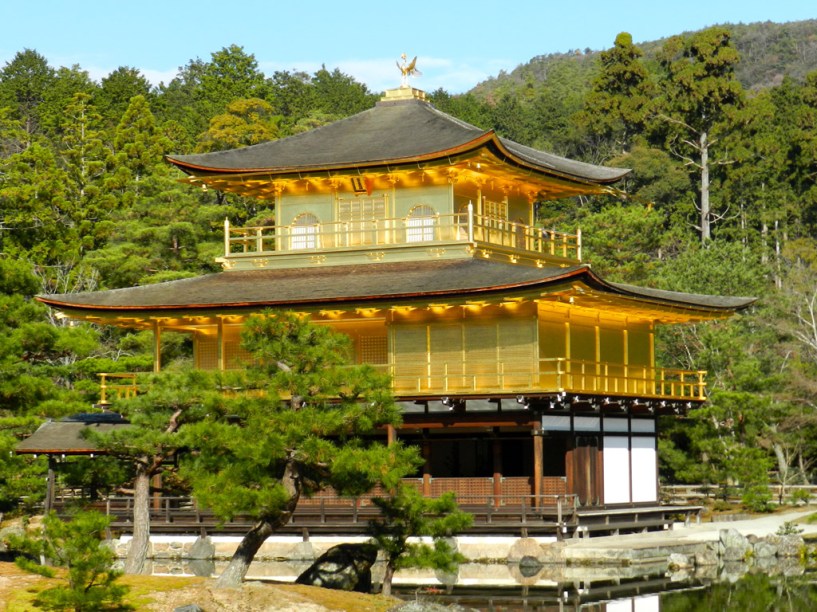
(538, 458)
(427, 468)
(156, 484)
(497, 453)
(50, 484)
(391, 435)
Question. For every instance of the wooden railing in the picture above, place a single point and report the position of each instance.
(327, 514)
(458, 227)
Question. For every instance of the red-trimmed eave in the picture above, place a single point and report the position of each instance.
(487, 138)
(576, 273)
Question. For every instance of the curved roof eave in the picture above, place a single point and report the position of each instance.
(256, 289)
(603, 175)
(464, 148)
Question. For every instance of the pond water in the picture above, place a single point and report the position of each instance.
(777, 585)
(728, 591)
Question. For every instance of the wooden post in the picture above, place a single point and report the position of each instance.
(497, 453)
(50, 484)
(427, 468)
(538, 454)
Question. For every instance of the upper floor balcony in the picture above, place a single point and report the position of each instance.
(416, 236)
(491, 377)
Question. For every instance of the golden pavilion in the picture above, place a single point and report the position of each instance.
(522, 374)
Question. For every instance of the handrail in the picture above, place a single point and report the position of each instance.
(125, 390)
(548, 375)
(551, 375)
(456, 227)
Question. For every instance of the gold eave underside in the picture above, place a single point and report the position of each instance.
(481, 168)
(562, 301)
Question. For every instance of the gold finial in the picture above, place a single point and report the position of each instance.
(407, 70)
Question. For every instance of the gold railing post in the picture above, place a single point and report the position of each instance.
(226, 237)
(579, 244)
(470, 221)
(103, 390)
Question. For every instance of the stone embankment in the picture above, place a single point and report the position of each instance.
(685, 548)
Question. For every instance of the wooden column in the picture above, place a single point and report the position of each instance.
(538, 457)
(497, 453)
(156, 483)
(50, 484)
(427, 468)
(391, 435)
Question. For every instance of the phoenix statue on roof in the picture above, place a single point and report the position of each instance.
(407, 70)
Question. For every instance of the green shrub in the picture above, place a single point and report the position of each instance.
(78, 546)
(757, 498)
(800, 496)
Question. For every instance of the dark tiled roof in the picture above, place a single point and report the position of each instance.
(65, 436)
(361, 283)
(395, 132)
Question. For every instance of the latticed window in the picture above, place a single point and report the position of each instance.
(305, 231)
(374, 349)
(420, 224)
(361, 209)
(495, 210)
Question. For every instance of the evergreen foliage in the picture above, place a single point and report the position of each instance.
(79, 546)
(405, 514)
(310, 416)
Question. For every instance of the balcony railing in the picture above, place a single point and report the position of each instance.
(509, 377)
(114, 386)
(460, 227)
(551, 375)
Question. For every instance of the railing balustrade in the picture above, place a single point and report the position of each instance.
(182, 512)
(109, 390)
(458, 227)
(551, 375)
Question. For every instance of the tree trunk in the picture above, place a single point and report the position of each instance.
(706, 209)
(387, 579)
(234, 574)
(138, 552)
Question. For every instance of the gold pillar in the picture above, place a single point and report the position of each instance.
(220, 344)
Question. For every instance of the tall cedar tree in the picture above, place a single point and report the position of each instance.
(701, 94)
(300, 412)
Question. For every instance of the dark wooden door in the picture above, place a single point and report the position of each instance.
(584, 469)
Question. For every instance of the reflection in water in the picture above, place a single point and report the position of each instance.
(777, 585)
(719, 589)
(754, 591)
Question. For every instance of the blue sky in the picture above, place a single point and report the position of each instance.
(458, 43)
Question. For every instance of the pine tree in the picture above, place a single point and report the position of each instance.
(300, 412)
